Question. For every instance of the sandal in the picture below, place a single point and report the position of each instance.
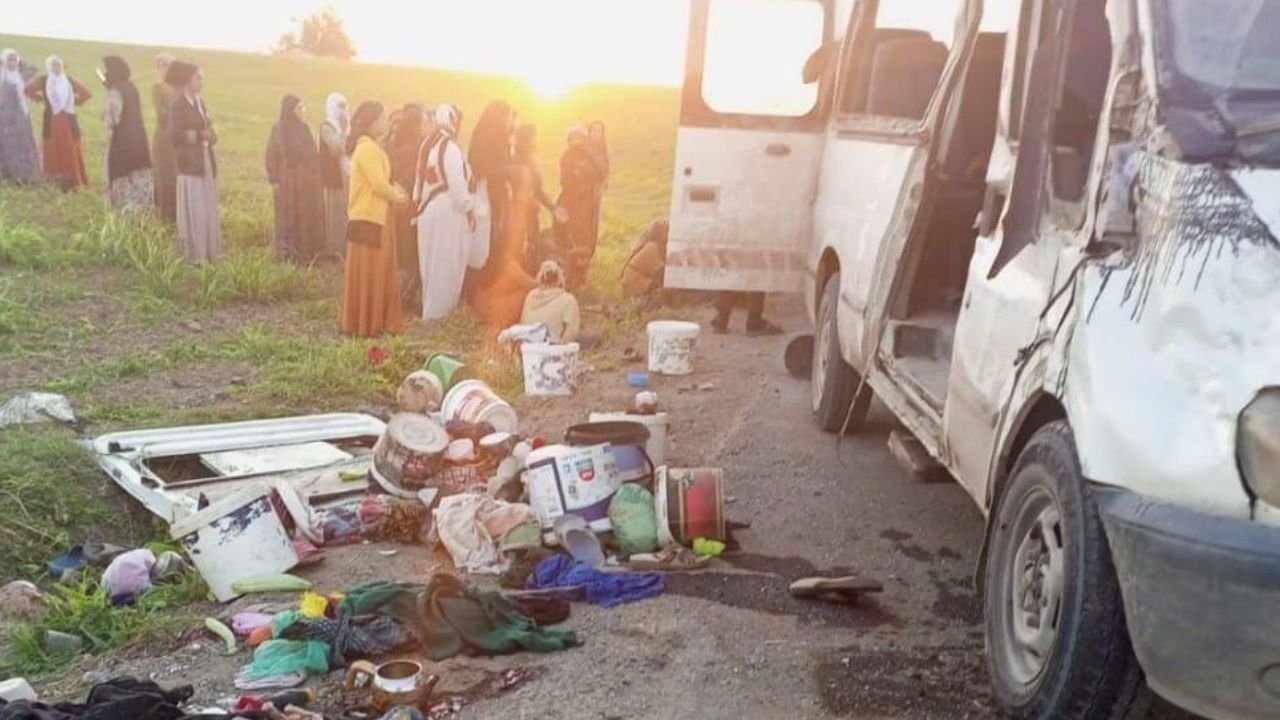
(669, 559)
(834, 589)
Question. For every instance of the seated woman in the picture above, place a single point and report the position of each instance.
(552, 305)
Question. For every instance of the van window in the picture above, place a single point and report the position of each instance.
(1083, 94)
(755, 56)
(896, 66)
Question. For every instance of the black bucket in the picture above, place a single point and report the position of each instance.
(628, 440)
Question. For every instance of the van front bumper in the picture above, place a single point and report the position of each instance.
(1202, 601)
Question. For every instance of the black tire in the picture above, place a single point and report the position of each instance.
(1088, 672)
(834, 382)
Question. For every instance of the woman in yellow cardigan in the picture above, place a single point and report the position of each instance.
(371, 287)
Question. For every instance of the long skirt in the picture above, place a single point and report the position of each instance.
(19, 158)
(335, 220)
(199, 230)
(63, 155)
(371, 287)
(444, 243)
(299, 227)
(165, 170)
(132, 193)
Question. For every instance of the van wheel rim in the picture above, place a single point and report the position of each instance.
(1035, 586)
(821, 361)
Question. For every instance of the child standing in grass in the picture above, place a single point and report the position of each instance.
(371, 285)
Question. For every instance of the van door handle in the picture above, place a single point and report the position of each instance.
(778, 150)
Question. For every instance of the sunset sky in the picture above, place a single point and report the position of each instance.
(568, 41)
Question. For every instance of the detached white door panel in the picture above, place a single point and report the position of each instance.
(749, 147)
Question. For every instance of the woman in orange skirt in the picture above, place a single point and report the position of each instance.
(371, 286)
(63, 155)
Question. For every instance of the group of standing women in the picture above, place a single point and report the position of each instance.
(174, 175)
(460, 226)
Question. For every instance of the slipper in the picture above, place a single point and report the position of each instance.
(669, 559)
(839, 589)
(73, 559)
(575, 536)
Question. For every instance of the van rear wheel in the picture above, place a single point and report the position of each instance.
(833, 381)
(1057, 645)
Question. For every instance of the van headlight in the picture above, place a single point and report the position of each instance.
(1258, 446)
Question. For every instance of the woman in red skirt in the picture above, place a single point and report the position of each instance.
(63, 156)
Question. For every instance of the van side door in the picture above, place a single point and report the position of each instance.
(900, 62)
(749, 146)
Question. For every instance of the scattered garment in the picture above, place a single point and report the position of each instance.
(447, 617)
(276, 658)
(605, 589)
(128, 576)
(543, 611)
(244, 623)
(470, 525)
(118, 699)
(351, 638)
(36, 407)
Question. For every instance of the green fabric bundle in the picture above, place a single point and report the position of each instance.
(447, 617)
(634, 520)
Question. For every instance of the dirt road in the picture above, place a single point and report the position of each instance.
(731, 642)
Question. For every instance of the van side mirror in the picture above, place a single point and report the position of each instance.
(818, 61)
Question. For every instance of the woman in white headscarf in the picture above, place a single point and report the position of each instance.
(19, 158)
(335, 171)
(446, 217)
(63, 154)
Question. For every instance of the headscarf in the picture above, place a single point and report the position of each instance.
(362, 122)
(180, 74)
(294, 135)
(14, 77)
(490, 152)
(116, 71)
(167, 59)
(336, 112)
(578, 133)
(128, 151)
(551, 275)
(58, 91)
(448, 119)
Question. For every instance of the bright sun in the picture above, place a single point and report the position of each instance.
(550, 86)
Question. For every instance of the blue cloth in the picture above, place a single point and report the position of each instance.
(601, 588)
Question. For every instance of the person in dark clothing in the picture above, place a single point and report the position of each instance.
(293, 167)
(403, 145)
(130, 184)
(490, 159)
(193, 135)
(580, 178)
(756, 324)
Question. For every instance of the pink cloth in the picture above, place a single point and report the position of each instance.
(129, 575)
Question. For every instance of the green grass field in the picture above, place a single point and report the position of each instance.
(102, 310)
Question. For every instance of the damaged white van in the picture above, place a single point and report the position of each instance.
(1044, 234)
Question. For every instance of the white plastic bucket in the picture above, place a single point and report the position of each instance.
(475, 402)
(550, 370)
(565, 480)
(236, 538)
(657, 423)
(671, 344)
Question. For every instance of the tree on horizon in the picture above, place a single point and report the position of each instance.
(322, 35)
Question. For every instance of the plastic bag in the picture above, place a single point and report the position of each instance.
(634, 520)
(283, 657)
(35, 408)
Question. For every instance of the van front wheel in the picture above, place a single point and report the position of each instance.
(1057, 646)
(833, 381)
